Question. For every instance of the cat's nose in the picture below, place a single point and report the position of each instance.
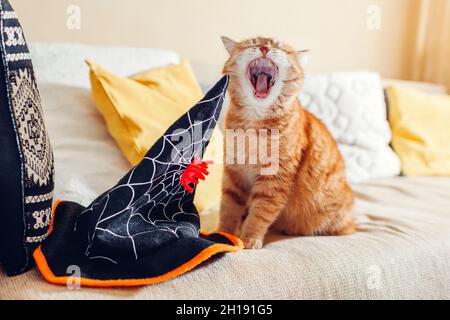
(264, 50)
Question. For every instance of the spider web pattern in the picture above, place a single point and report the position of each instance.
(149, 207)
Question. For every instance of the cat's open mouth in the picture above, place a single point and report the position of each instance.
(262, 74)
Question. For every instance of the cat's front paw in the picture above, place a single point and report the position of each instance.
(227, 228)
(251, 243)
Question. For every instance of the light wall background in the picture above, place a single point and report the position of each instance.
(335, 30)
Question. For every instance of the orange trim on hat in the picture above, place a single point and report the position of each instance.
(206, 253)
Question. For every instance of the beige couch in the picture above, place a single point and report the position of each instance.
(401, 251)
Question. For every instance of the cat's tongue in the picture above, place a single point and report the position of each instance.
(262, 85)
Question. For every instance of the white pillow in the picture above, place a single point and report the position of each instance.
(353, 108)
(64, 63)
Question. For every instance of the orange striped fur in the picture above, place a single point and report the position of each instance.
(309, 194)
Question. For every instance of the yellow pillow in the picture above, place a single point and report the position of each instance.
(420, 131)
(139, 109)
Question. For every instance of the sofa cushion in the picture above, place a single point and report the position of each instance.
(420, 129)
(138, 109)
(401, 251)
(68, 112)
(26, 159)
(64, 63)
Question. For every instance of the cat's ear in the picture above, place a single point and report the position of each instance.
(303, 57)
(228, 43)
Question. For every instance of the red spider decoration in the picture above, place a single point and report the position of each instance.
(196, 170)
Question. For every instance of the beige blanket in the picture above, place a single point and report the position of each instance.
(402, 250)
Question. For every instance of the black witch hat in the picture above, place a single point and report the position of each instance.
(146, 228)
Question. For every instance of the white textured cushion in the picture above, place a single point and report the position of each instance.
(64, 63)
(352, 106)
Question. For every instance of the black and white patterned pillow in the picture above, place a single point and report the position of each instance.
(26, 158)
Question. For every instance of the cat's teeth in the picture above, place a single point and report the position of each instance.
(262, 73)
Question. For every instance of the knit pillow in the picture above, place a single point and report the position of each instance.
(352, 107)
(26, 159)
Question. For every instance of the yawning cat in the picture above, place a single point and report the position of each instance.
(308, 194)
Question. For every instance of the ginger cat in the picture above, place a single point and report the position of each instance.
(308, 194)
